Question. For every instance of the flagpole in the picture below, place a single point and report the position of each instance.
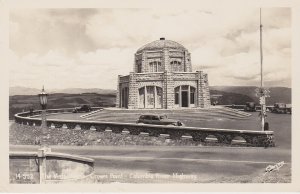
(262, 92)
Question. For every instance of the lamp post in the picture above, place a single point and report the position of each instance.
(262, 92)
(44, 149)
(43, 101)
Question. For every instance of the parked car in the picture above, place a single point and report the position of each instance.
(282, 108)
(83, 108)
(279, 108)
(250, 107)
(158, 120)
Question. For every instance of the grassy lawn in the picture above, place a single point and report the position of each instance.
(214, 118)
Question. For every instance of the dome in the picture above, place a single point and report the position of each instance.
(160, 44)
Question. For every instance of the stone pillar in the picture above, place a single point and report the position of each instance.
(200, 89)
(203, 90)
(168, 90)
(166, 60)
(118, 93)
(135, 66)
(155, 97)
(206, 95)
(144, 63)
(189, 95)
(180, 97)
(145, 97)
(133, 92)
(188, 61)
(42, 152)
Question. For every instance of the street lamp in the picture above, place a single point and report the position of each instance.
(43, 101)
(42, 151)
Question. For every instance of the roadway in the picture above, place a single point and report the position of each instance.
(207, 164)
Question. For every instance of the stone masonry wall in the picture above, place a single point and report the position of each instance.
(118, 93)
(168, 90)
(133, 92)
(203, 90)
(206, 94)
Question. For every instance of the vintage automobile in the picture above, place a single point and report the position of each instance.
(158, 120)
(282, 108)
(250, 107)
(83, 108)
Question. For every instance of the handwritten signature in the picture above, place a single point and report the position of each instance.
(277, 166)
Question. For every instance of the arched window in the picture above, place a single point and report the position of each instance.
(176, 66)
(155, 66)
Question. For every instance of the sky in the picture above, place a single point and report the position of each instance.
(89, 48)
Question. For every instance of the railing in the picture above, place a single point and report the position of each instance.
(224, 136)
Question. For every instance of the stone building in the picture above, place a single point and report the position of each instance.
(162, 77)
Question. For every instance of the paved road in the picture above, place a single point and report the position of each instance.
(207, 163)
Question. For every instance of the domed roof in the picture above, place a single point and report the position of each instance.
(160, 44)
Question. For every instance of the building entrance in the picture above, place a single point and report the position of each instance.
(184, 99)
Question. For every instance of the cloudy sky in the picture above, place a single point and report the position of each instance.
(88, 48)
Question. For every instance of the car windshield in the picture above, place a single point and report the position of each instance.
(163, 117)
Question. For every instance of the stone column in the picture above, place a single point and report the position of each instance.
(166, 60)
(145, 97)
(118, 93)
(203, 89)
(42, 152)
(133, 93)
(144, 63)
(180, 97)
(168, 90)
(200, 85)
(155, 97)
(188, 62)
(189, 95)
(206, 94)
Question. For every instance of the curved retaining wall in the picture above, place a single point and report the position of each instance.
(224, 136)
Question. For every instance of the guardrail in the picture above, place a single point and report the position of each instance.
(224, 136)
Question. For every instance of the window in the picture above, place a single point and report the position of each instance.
(177, 95)
(163, 117)
(155, 66)
(155, 118)
(139, 68)
(147, 117)
(176, 66)
(192, 95)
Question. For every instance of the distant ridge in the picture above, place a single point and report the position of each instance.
(19, 90)
(231, 94)
(277, 94)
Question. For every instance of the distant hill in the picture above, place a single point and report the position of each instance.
(229, 98)
(25, 98)
(19, 103)
(17, 90)
(23, 91)
(277, 94)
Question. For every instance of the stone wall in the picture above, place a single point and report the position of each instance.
(203, 90)
(133, 92)
(168, 90)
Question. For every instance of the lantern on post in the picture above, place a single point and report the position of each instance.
(43, 101)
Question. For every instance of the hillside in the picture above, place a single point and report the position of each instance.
(107, 98)
(19, 103)
(18, 90)
(277, 94)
